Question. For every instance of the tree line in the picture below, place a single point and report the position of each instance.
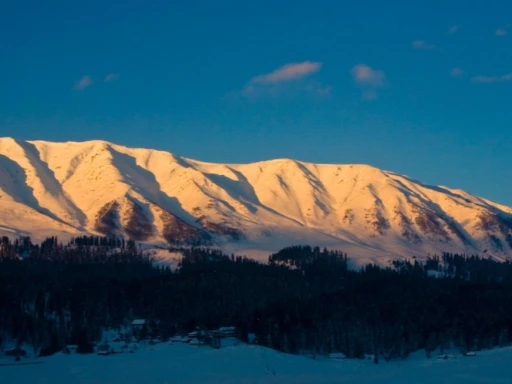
(306, 299)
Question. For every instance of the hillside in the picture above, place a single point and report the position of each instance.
(156, 197)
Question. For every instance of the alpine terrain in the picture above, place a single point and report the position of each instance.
(158, 198)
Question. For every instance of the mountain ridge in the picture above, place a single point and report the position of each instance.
(153, 196)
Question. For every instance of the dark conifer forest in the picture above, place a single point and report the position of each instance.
(304, 300)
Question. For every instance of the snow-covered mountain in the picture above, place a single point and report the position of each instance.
(156, 197)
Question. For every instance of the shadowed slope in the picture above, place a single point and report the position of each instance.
(155, 196)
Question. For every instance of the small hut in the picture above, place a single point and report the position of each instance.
(140, 328)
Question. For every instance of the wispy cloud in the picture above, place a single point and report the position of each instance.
(368, 79)
(366, 75)
(502, 32)
(111, 77)
(84, 82)
(369, 95)
(420, 44)
(287, 79)
(454, 29)
(317, 88)
(491, 79)
(288, 72)
(457, 72)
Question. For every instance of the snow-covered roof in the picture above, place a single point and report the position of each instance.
(227, 329)
(139, 322)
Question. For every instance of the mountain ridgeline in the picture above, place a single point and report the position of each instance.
(73, 189)
(304, 300)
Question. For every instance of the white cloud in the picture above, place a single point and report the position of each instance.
(84, 82)
(454, 29)
(492, 79)
(501, 32)
(287, 80)
(366, 75)
(420, 44)
(111, 77)
(457, 72)
(288, 72)
(368, 79)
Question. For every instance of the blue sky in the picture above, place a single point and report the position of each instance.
(422, 89)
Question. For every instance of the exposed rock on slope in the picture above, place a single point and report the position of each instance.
(157, 197)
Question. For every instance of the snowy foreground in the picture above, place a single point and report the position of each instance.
(178, 363)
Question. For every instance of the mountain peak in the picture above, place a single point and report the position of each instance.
(154, 196)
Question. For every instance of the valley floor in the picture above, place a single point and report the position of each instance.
(178, 363)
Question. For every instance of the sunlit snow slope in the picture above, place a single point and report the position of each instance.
(156, 197)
